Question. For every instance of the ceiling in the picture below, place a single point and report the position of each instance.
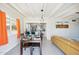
(33, 10)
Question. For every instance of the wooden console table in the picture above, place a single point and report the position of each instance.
(67, 46)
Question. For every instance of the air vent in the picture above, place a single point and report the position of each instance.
(77, 12)
(73, 20)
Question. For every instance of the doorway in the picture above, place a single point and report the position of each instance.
(36, 29)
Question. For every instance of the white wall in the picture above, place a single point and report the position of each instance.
(49, 29)
(71, 32)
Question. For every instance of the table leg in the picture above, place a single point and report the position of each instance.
(21, 48)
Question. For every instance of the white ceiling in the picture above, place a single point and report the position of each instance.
(58, 10)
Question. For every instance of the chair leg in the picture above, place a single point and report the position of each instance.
(31, 50)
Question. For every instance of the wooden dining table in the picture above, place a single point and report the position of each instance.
(24, 43)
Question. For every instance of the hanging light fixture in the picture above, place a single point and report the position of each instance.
(42, 15)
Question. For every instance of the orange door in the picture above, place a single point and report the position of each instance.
(18, 28)
(3, 29)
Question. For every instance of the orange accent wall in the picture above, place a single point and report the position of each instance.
(18, 27)
(3, 29)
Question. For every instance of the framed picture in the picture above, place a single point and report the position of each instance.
(62, 26)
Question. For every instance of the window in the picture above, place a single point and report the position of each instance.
(8, 24)
(11, 24)
(13, 27)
